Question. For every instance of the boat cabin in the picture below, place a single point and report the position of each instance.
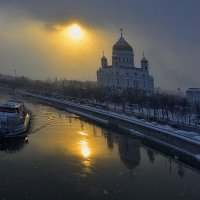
(12, 107)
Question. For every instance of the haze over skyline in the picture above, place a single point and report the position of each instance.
(34, 42)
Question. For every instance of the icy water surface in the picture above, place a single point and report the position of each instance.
(68, 158)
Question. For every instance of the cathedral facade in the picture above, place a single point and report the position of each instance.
(123, 74)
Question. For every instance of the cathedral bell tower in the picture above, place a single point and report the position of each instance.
(144, 64)
(104, 62)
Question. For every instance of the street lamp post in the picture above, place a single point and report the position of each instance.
(15, 72)
(179, 91)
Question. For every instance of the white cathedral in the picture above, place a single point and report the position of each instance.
(123, 74)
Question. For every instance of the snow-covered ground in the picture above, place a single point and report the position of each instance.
(150, 113)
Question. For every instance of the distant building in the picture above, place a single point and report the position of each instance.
(6, 77)
(193, 94)
(123, 74)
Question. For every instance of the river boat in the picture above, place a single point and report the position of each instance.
(14, 119)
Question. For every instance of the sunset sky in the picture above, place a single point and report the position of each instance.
(35, 37)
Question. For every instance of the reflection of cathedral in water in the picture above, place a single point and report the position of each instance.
(129, 151)
(130, 155)
(151, 155)
(110, 142)
(110, 138)
(129, 148)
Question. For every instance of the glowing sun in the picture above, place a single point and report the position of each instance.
(75, 32)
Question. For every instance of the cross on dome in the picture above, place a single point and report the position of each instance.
(122, 44)
(121, 30)
(103, 57)
(144, 58)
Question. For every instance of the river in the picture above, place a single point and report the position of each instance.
(66, 157)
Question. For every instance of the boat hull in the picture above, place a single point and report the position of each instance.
(17, 131)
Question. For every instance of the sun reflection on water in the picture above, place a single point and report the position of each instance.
(85, 151)
(83, 133)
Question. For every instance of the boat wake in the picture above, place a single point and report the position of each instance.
(45, 119)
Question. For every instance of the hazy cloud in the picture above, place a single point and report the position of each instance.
(168, 31)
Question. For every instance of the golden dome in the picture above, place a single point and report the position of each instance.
(122, 45)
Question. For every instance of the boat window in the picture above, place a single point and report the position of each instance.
(8, 110)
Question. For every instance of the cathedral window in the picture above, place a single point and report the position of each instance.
(128, 82)
(136, 83)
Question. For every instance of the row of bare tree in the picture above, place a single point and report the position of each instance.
(163, 107)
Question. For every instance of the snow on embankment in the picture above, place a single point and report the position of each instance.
(191, 137)
(96, 119)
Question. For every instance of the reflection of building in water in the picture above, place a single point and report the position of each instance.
(181, 171)
(110, 142)
(151, 155)
(129, 151)
(110, 138)
(70, 120)
(180, 168)
(82, 125)
(94, 130)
